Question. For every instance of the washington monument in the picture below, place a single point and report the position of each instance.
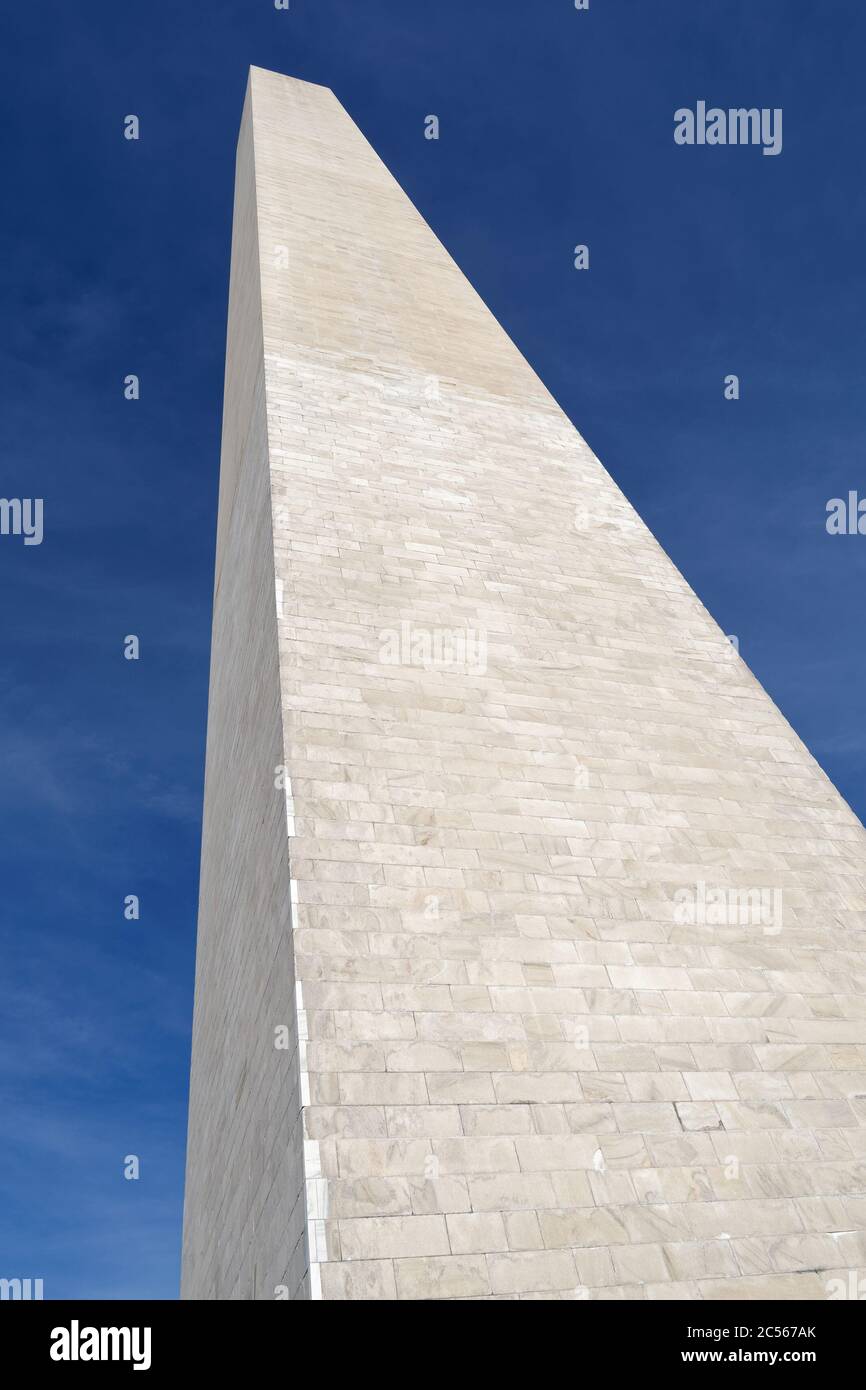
(530, 944)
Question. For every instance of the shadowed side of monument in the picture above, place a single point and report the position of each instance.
(244, 1211)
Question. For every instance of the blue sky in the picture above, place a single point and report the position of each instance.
(556, 128)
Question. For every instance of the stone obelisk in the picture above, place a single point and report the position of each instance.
(530, 947)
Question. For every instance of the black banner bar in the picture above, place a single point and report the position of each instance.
(155, 1339)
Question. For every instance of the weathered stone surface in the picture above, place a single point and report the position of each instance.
(564, 925)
